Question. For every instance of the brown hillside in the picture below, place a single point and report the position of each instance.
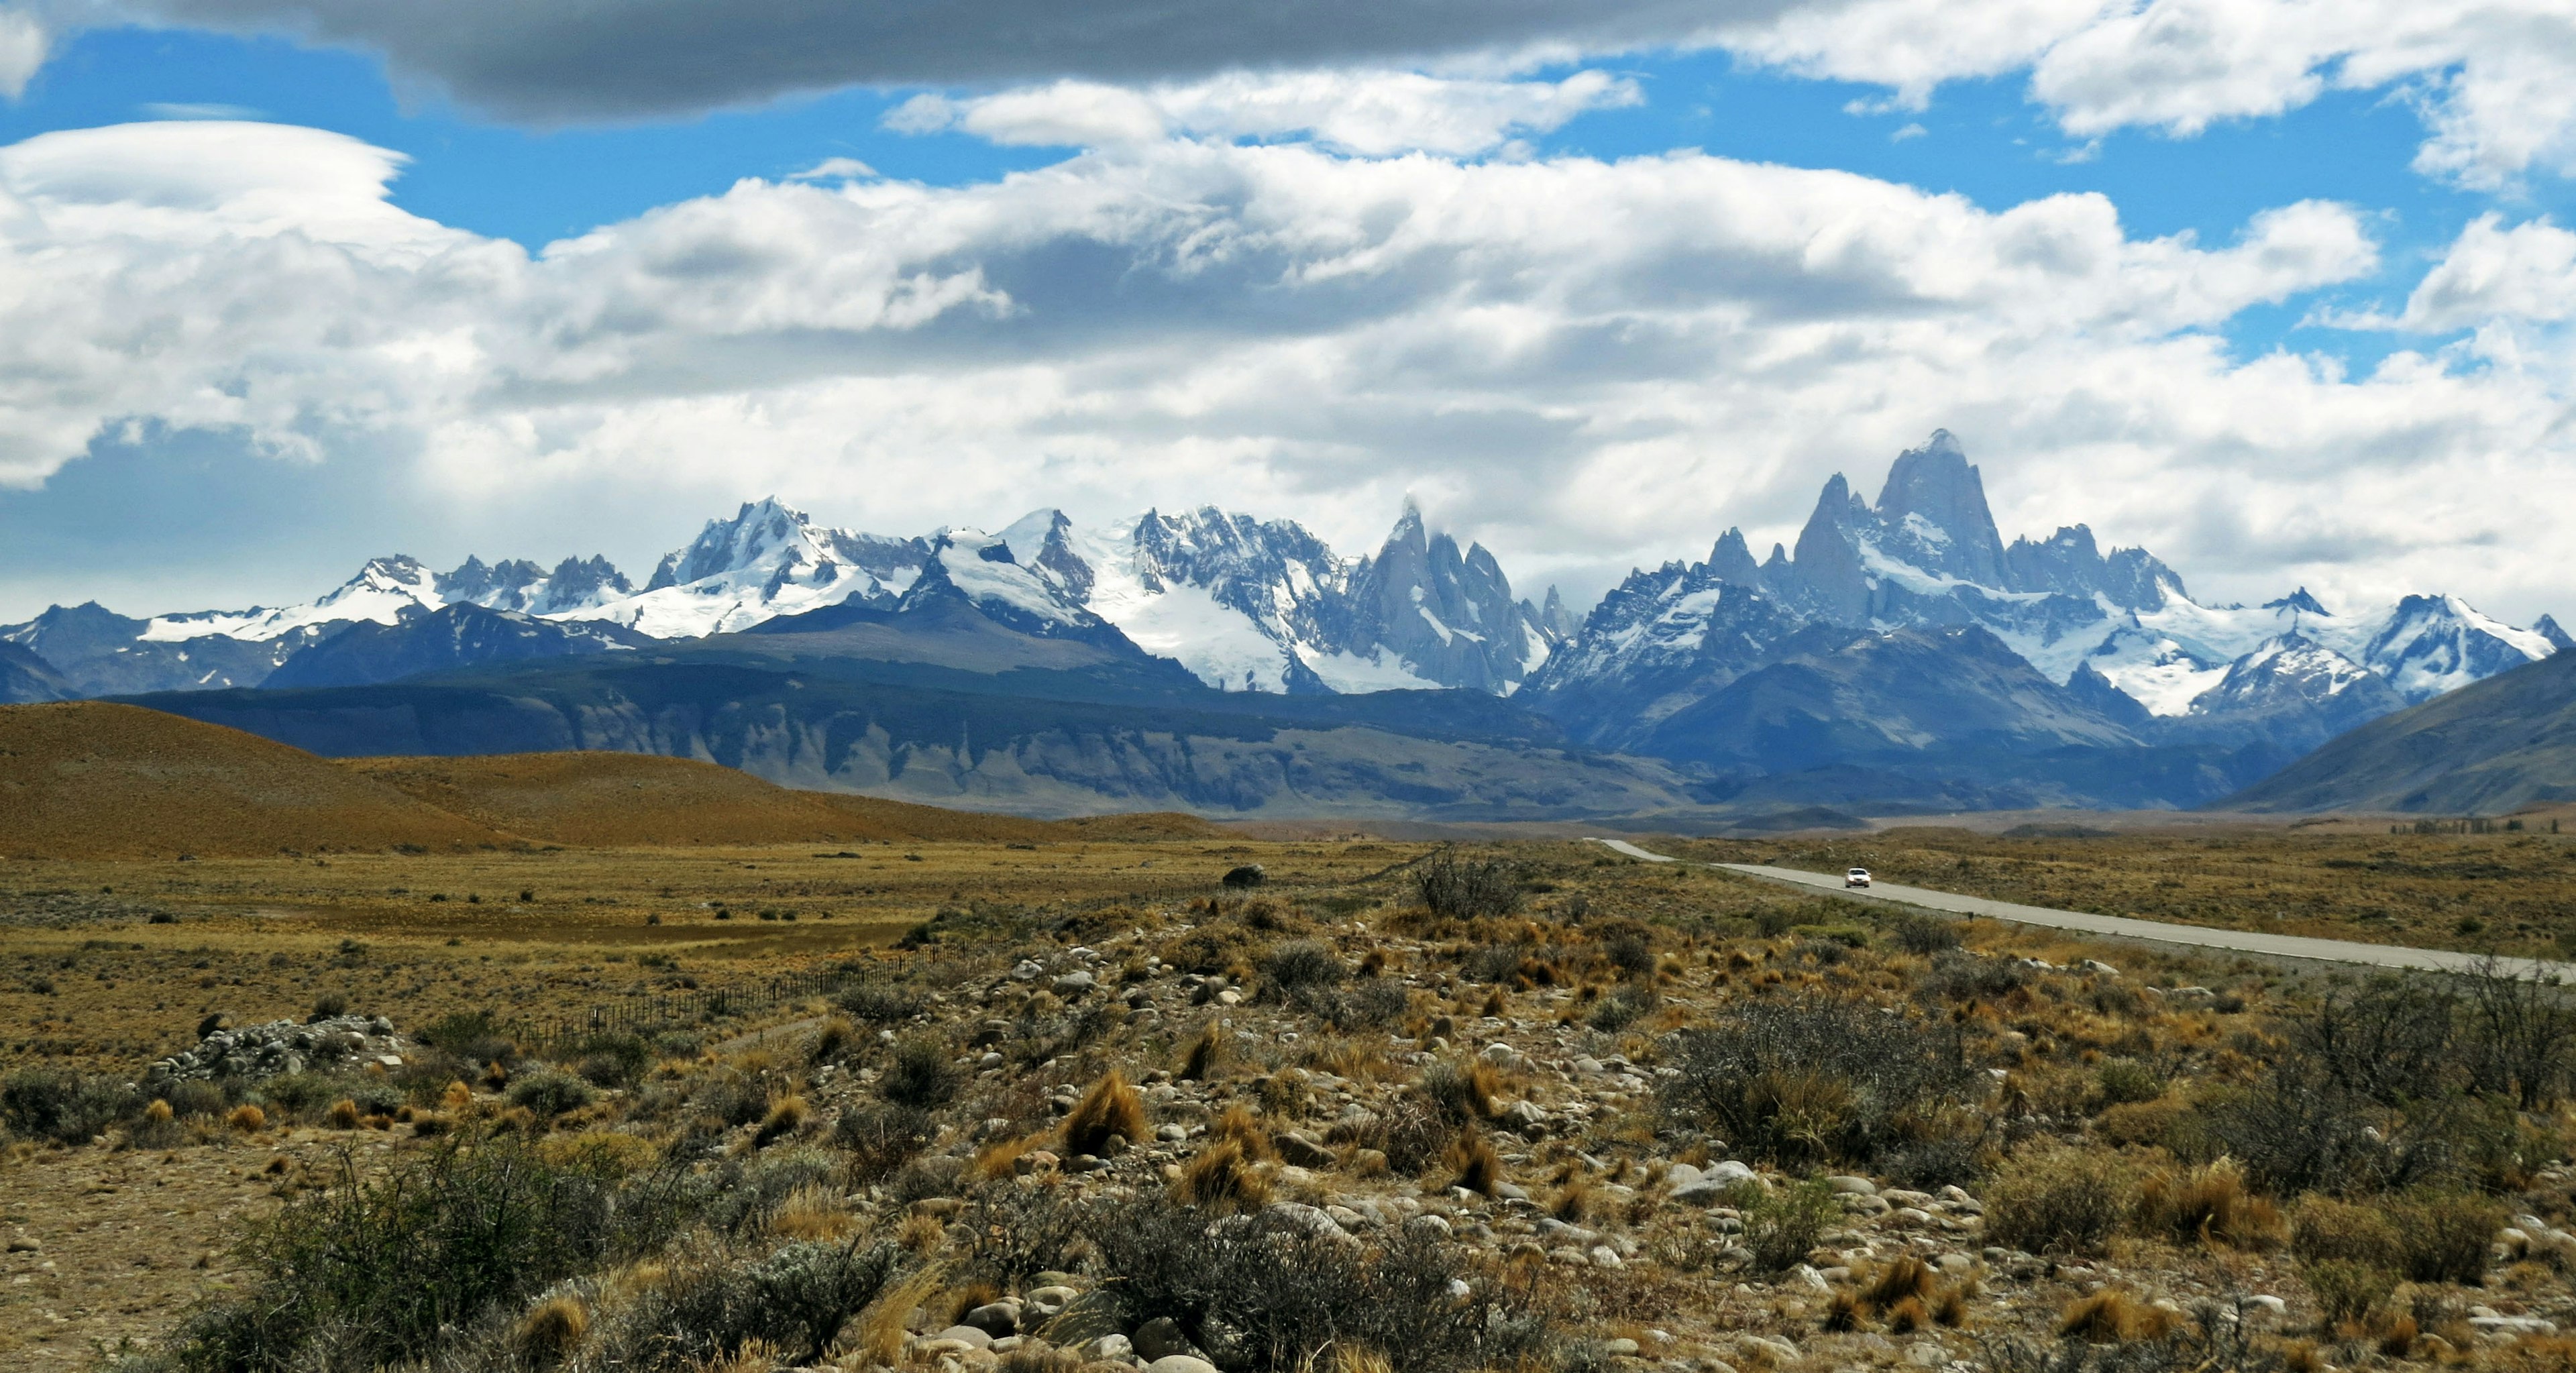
(86, 779)
(634, 799)
(612, 800)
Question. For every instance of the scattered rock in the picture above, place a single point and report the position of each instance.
(1297, 1150)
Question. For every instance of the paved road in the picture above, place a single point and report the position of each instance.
(2193, 936)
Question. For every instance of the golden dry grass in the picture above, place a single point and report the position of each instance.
(2512, 892)
(90, 779)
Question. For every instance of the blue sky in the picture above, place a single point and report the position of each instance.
(2090, 396)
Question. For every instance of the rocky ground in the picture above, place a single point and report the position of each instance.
(1398, 1124)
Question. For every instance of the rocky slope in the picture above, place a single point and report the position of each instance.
(2486, 749)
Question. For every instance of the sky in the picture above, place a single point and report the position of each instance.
(2278, 290)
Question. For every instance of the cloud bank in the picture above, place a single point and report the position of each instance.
(1581, 362)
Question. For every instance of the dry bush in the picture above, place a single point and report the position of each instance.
(1572, 1202)
(2444, 1236)
(1462, 889)
(248, 1119)
(1907, 1316)
(2324, 1228)
(881, 1138)
(1811, 1079)
(1221, 1179)
(1843, 1312)
(2210, 1205)
(1780, 1227)
(1408, 1130)
(1110, 1108)
(2066, 1199)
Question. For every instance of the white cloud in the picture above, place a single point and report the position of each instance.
(2495, 79)
(1369, 113)
(2491, 272)
(23, 47)
(1581, 362)
(835, 169)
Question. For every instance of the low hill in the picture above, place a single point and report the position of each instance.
(608, 800)
(88, 779)
(2493, 746)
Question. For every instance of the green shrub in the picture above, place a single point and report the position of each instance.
(1623, 1007)
(379, 1268)
(796, 1298)
(920, 1075)
(550, 1094)
(2068, 1200)
(2348, 1291)
(62, 1106)
(2126, 1080)
(1802, 1081)
(1781, 1227)
(1269, 1292)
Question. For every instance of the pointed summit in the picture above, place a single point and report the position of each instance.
(1732, 560)
(2300, 601)
(2547, 627)
(1934, 507)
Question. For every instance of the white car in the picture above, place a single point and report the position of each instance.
(1856, 877)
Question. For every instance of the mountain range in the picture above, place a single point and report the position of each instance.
(1900, 656)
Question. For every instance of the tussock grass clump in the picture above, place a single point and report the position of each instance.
(1474, 1165)
(248, 1119)
(1463, 1091)
(787, 1115)
(2209, 1205)
(550, 1333)
(1110, 1108)
(1206, 1051)
(1222, 1179)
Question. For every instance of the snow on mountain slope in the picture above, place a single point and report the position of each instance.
(768, 560)
(381, 592)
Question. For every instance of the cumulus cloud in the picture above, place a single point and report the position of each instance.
(23, 45)
(2492, 77)
(1582, 362)
(2490, 273)
(1369, 113)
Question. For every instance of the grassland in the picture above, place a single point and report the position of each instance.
(1058, 1060)
(2513, 893)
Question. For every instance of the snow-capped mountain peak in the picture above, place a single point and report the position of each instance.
(770, 559)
